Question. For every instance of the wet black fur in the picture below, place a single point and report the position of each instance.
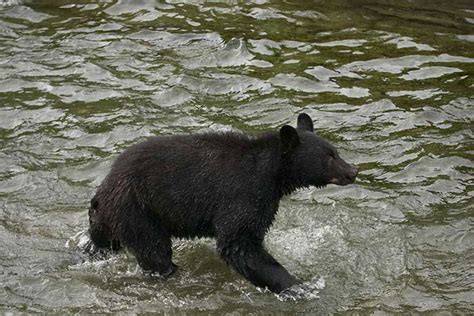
(225, 185)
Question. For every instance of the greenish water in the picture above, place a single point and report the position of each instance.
(389, 82)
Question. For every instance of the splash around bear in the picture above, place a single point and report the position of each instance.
(224, 185)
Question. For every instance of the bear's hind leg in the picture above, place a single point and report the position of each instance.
(149, 242)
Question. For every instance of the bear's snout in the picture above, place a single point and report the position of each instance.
(352, 174)
(346, 175)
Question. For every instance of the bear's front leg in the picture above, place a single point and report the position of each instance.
(252, 261)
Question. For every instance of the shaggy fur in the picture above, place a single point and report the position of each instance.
(223, 185)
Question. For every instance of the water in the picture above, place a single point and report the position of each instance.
(389, 82)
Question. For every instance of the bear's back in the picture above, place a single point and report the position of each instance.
(209, 163)
(185, 151)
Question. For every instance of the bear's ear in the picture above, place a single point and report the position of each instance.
(305, 122)
(289, 138)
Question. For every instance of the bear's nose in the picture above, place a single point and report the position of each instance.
(353, 173)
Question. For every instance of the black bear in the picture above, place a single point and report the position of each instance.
(225, 185)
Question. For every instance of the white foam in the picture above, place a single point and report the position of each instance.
(305, 291)
(79, 240)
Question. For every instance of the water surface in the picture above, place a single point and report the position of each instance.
(388, 82)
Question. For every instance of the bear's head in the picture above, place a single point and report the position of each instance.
(314, 161)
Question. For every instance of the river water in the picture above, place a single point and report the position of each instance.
(390, 83)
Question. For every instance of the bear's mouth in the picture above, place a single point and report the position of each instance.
(344, 181)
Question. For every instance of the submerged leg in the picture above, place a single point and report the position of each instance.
(149, 242)
(253, 262)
